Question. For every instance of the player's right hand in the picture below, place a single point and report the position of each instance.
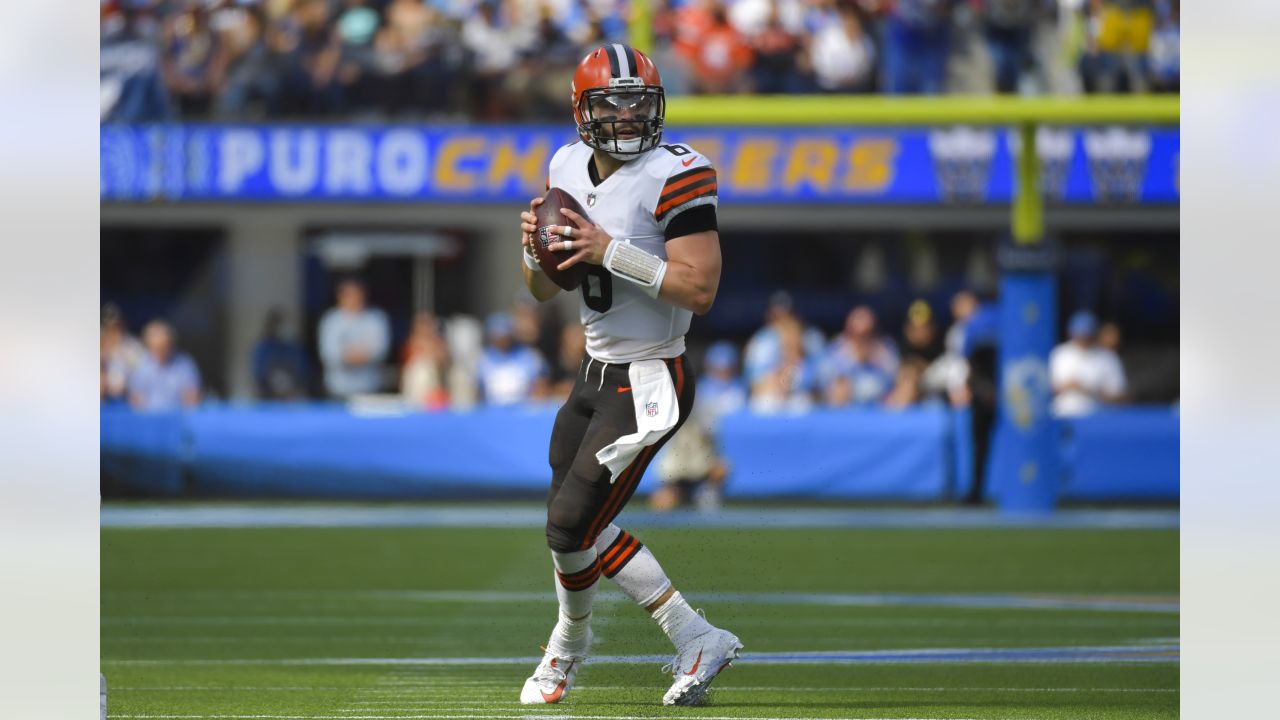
(529, 225)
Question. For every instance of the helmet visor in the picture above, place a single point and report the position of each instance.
(612, 106)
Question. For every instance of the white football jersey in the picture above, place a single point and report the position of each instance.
(635, 204)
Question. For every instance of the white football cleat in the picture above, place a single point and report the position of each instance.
(697, 664)
(551, 680)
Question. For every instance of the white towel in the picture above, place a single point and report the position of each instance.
(657, 411)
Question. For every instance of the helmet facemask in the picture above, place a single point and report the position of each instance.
(627, 106)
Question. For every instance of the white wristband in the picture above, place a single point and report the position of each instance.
(631, 263)
(530, 262)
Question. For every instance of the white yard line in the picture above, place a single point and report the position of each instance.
(382, 687)
(979, 601)
(284, 515)
(306, 620)
(515, 707)
(135, 622)
(519, 716)
(1111, 653)
(852, 690)
(230, 639)
(440, 705)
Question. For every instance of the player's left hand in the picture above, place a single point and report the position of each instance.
(587, 240)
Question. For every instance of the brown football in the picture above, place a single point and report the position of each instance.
(549, 214)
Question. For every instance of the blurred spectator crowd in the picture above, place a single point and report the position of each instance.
(149, 375)
(529, 356)
(512, 60)
(518, 357)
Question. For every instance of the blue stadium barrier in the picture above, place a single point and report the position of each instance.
(1121, 454)
(921, 454)
(143, 453)
(847, 454)
(289, 451)
(962, 452)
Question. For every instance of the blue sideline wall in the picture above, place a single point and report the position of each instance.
(919, 455)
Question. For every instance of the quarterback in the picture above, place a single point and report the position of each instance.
(653, 254)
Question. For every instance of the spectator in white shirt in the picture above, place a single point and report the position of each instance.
(1084, 374)
(843, 55)
(120, 353)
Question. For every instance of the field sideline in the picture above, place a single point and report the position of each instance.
(932, 620)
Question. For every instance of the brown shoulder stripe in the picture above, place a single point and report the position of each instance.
(702, 189)
(692, 171)
(675, 182)
(684, 186)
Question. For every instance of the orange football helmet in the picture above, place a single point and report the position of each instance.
(618, 101)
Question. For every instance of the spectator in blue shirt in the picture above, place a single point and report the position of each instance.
(354, 340)
(859, 366)
(193, 60)
(280, 369)
(916, 44)
(509, 373)
(764, 349)
(164, 379)
(720, 390)
(790, 384)
(1163, 54)
(129, 67)
(856, 383)
(1009, 26)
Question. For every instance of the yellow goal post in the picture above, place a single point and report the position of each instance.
(1023, 113)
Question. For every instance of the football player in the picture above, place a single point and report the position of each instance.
(653, 251)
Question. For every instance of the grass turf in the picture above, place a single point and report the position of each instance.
(197, 622)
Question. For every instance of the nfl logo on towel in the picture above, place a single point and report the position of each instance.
(651, 409)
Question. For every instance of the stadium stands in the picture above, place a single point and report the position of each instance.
(506, 60)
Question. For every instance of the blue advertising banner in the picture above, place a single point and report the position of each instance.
(954, 165)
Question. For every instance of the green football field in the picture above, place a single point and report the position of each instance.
(445, 622)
